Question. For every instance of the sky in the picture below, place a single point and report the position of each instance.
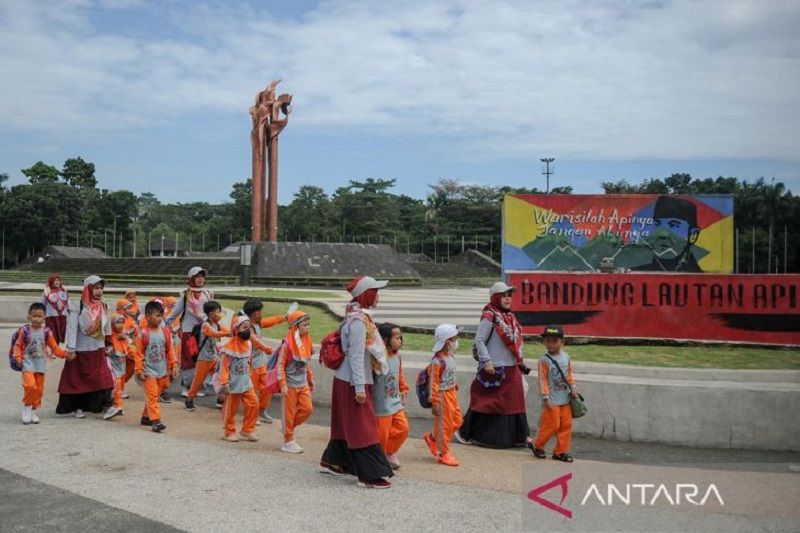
(156, 94)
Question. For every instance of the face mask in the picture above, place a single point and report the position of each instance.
(454, 346)
(244, 335)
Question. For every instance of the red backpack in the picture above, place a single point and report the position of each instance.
(331, 354)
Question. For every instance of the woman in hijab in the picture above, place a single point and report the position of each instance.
(56, 300)
(496, 417)
(354, 447)
(189, 312)
(86, 381)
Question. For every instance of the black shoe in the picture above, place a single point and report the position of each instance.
(189, 404)
(565, 457)
(165, 397)
(220, 404)
(158, 427)
(146, 421)
(537, 452)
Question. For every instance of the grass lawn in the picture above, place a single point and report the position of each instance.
(710, 356)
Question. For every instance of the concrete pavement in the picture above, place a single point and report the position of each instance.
(95, 475)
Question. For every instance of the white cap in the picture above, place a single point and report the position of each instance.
(500, 287)
(366, 283)
(93, 280)
(196, 270)
(443, 333)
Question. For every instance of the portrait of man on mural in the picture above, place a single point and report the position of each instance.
(673, 233)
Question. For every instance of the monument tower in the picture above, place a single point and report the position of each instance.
(270, 115)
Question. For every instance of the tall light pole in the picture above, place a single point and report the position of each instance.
(547, 172)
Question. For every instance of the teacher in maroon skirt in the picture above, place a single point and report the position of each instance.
(86, 382)
(56, 300)
(496, 416)
(354, 448)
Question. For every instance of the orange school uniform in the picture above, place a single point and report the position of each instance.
(294, 373)
(31, 356)
(207, 358)
(258, 370)
(155, 358)
(444, 392)
(234, 375)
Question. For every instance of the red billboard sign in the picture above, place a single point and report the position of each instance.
(737, 308)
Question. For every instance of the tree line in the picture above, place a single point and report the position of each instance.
(66, 206)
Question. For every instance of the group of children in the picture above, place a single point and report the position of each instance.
(245, 370)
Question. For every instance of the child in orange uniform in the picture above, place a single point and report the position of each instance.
(35, 343)
(556, 417)
(131, 329)
(235, 383)
(130, 295)
(389, 394)
(155, 363)
(120, 353)
(210, 332)
(444, 394)
(295, 378)
(254, 309)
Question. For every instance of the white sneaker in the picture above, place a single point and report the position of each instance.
(26, 414)
(460, 439)
(393, 461)
(125, 395)
(79, 413)
(185, 392)
(112, 412)
(201, 394)
(264, 416)
(291, 447)
(34, 417)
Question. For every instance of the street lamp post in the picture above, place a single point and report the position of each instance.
(547, 172)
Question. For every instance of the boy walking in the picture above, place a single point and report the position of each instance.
(155, 363)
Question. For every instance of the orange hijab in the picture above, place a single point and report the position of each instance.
(236, 347)
(300, 346)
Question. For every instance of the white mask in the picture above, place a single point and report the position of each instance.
(454, 346)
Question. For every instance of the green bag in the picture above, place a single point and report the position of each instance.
(576, 402)
(578, 407)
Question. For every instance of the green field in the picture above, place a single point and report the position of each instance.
(710, 356)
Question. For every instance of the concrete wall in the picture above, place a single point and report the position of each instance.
(685, 412)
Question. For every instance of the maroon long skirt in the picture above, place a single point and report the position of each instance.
(86, 383)
(58, 325)
(354, 447)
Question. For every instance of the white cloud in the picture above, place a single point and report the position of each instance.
(581, 79)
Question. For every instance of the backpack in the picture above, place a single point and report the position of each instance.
(273, 383)
(331, 354)
(424, 384)
(146, 336)
(26, 338)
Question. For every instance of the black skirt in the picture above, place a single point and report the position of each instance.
(367, 464)
(495, 431)
(91, 402)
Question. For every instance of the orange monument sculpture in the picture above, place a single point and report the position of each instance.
(270, 115)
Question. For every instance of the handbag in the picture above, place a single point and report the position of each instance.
(576, 403)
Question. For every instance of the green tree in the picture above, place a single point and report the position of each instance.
(79, 173)
(41, 173)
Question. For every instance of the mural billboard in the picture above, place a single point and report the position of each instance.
(637, 232)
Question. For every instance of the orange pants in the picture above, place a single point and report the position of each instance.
(392, 431)
(556, 421)
(444, 426)
(33, 387)
(297, 408)
(250, 401)
(119, 384)
(152, 389)
(259, 378)
(201, 371)
(130, 368)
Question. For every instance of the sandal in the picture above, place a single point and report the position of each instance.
(537, 452)
(565, 457)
